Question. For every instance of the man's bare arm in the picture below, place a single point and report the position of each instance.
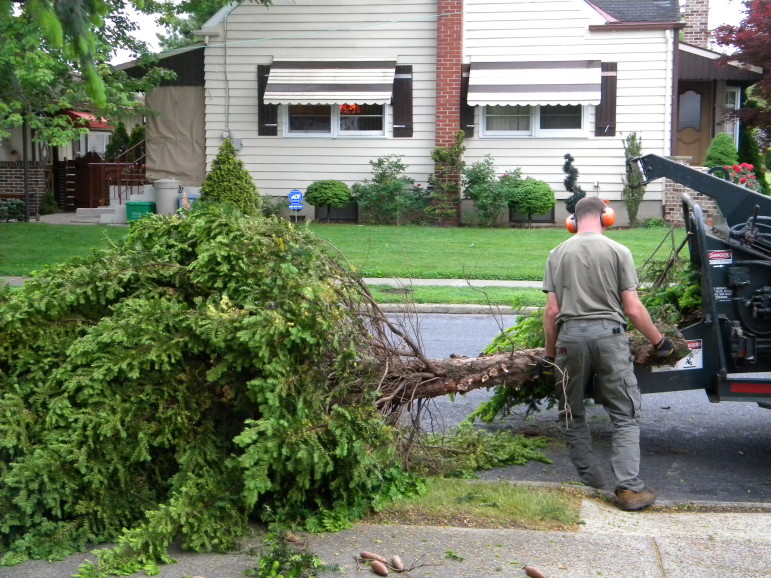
(639, 315)
(550, 313)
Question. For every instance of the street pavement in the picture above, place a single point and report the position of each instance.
(695, 540)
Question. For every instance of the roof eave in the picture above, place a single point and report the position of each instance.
(618, 26)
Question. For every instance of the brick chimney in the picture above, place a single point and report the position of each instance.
(696, 30)
(449, 62)
(449, 72)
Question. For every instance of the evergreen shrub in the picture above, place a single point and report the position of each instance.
(721, 151)
(12, 210)
(229, 181)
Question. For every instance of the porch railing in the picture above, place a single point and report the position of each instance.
(126, 174)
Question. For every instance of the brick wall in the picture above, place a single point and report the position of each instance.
(673, 200)
(696, 31)
(12, 182)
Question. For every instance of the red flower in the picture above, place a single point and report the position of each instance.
(743, 180)
(737, 168)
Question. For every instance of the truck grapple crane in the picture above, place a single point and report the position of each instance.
(731, 344)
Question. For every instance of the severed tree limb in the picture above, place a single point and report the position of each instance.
(463, 374)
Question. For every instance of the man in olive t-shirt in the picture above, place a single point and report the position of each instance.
(591, 287)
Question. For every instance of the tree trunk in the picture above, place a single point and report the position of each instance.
(427, 378)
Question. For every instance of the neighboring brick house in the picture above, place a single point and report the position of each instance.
(315, 89)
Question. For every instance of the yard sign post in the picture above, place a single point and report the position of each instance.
(295, 202)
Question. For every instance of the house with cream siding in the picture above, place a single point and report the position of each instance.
(313, 90)
(316, 89)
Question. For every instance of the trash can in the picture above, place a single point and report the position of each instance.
(166, 193)
(138, 209)
(191, 198)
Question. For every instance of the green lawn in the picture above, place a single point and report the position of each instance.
(464, 253)
(27, 247)
(375, 251)
(459, 295)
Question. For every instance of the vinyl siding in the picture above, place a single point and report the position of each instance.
(559, 30)
(405, 30)
(402, 30)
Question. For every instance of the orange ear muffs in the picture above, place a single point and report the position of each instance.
(607, 218)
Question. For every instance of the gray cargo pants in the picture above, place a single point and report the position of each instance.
(599, 347)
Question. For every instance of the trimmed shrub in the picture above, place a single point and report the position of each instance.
(532, 197)
(328, 193)
(571, 184)
(230, 182)
(722, 151)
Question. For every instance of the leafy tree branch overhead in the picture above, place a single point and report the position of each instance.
(752, 40)
(54, 57)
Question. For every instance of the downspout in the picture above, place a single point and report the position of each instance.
(673, 58)
(227, 77)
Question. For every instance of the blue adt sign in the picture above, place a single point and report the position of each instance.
(295, 199)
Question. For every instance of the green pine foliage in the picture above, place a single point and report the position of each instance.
(633, 191)
(171, 386)
(119, 142)
(229, 181)
(721, 151)
(571, 184)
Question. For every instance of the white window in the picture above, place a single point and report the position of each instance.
(539, 121)
(94, 142)
(690, 111)
(335, 120)
(732, 103)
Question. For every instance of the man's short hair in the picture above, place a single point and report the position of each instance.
(589, 206)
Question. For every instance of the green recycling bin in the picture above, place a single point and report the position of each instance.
(138, 209)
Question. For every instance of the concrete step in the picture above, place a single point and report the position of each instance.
(93, 213)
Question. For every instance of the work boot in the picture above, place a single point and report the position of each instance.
(631, 501)
(592, 476)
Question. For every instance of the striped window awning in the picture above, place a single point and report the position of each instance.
(339, 82)
(535, 83)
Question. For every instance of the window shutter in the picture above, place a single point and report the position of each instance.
(402, 101)
(466, 111)
(605, 114)
(267, 114)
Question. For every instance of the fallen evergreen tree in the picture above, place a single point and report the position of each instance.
(172, 386)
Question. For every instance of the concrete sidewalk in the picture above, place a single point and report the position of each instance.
(652, 543)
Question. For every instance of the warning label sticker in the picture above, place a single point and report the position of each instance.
(721, 257)
(723, 293)
(693, 361)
